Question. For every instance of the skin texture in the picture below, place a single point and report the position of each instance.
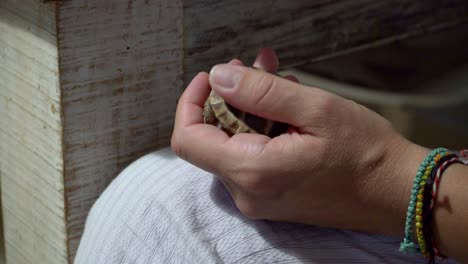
(340, 164)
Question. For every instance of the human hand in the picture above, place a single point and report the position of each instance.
(339, 165)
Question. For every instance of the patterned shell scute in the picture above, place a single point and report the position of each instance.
(233, 121)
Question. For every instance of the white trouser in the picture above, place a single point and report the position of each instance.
(162, 209)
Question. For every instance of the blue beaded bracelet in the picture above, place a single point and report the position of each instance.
(407, 245)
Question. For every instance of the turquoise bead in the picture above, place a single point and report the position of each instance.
(407, 245)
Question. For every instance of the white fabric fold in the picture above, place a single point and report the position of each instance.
(162, 209)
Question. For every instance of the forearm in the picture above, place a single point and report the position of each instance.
(388, 191)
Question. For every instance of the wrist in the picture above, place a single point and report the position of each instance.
(393, 181)
(397, 173)
(406, 169)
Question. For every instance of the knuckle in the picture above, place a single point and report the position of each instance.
(327, 103)
(258, 184)
(236, 169)
(254, 183)
(236, 62)
(254, 178)
(249, 208)
(263, 89)
(320, 112)
(249, 175)
(176, 146)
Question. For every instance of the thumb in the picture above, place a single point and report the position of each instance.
(264, 94)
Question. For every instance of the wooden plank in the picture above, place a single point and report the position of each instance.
(31, 164)
(304, 30)
(121, 74)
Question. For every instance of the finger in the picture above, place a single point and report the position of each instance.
(190, 105)
(204, 145)
(211, 149)
(189, 116)
(291, 78)
(266, 95)
(195, 95)
(267, 60)
(236, 62)
(233, 159)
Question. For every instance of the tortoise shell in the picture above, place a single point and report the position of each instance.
(233, 121)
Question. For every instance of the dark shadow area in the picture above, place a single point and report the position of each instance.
(429, 75)
(403, 66)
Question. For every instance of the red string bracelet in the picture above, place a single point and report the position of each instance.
(461, 158)
(427, 209)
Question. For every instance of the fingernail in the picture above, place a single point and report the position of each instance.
(225, 76)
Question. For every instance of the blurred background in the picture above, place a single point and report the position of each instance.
(419, 84)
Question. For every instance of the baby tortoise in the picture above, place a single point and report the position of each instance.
(233, 121)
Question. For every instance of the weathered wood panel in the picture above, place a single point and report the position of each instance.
(121, 74)
(31, 164)
(304, 30)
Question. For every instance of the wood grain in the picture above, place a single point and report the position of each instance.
(31, 163)
(303, 30)
(121, 73)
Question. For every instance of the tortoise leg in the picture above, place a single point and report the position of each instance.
(208, 114)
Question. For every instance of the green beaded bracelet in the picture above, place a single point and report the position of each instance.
(420, 203)
(407, 245)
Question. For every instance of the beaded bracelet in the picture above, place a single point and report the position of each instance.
(434, 191)
(427, 220)
(420, 202)
(407, 245)
(430, 253)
